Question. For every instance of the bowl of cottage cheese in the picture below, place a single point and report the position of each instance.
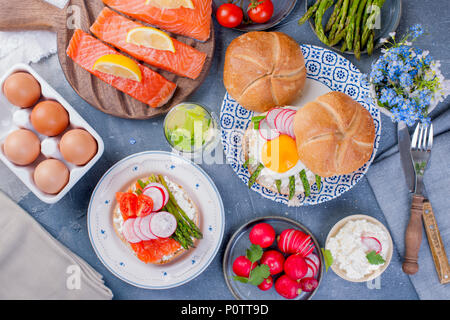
(361, 247)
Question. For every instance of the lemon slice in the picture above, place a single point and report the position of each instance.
(150, 38)
(118, 65)
(170, 4)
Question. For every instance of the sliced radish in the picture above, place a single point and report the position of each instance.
(271, 115)
(307, 248)
(145, 227)
(288, 125)
(163, 224)
(166, 193)
(312, 266)
(372, 244)
(137, 229)
(315, 259)
(266, 131)
(310, 273)
(158, 196)
(128, 231)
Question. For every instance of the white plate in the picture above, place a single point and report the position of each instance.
(119, 259)
(326, 71)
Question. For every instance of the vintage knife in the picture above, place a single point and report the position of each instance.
(404, 144)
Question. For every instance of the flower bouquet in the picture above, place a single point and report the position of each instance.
(406, 82)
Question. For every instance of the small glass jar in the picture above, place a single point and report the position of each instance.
(191, 129)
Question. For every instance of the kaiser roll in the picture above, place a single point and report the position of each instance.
(263, 70)
(334, 134)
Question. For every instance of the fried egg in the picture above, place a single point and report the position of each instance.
(280, 160)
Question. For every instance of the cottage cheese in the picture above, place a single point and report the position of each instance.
(349, 252)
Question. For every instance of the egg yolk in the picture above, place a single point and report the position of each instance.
(280, 154)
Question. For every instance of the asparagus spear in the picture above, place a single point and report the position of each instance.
(324, 5)
(339, 36)
(336, 24)
(351, 21)
(278, 184)
(309, 13)
(341, 24)
(370, 43)
(369, 25)
(318, 182)
(255, 175)
(357, 40)
(334, 15)
(291, 187)
(305, 182)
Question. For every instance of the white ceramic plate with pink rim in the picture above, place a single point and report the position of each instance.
(118, 258)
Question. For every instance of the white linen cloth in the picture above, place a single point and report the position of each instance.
(27, 46)
(34, 265)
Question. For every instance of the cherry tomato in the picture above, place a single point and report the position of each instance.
(229, 15)
(242, 266)
(275, 261)
(144, 205)
(260, 11)
(266, 284)
(262, 234)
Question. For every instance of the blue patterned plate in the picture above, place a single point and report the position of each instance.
(326, 71)
(118, 258)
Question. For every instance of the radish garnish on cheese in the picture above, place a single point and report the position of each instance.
(163, 224)
(128, 231)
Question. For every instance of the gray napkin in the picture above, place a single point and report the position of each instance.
(34, 265)
(388, 183)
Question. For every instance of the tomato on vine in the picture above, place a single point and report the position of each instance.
(260, 11)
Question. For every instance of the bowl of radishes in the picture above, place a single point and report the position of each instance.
(273, 258)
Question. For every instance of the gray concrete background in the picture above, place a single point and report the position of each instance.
(66, 220)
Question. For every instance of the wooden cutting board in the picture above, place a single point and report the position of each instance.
(40, 15)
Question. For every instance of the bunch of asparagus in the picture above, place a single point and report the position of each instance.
(351, 23)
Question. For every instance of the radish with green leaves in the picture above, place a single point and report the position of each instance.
(274, 259)
(266, 284)
(242, 266)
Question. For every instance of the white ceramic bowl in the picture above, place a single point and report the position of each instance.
(7, 125)
(341, 273)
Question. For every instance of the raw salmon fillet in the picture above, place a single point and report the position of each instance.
(112, 28)
(194, 23)
(154, 89)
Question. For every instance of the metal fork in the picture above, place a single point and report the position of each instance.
(421, 144)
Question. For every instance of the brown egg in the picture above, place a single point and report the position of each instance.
(51, 176)
(22, 147)
(78, 146)
(49, 118)
(22, 89)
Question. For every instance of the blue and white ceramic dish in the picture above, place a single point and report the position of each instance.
(326, 71)
(118, 258)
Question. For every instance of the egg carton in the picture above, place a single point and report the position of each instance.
(13, 118)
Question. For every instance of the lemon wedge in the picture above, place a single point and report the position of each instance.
(118, 65)
(170, 4)
(150, 38)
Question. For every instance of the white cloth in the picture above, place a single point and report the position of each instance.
(34, 265)
(27, 46)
